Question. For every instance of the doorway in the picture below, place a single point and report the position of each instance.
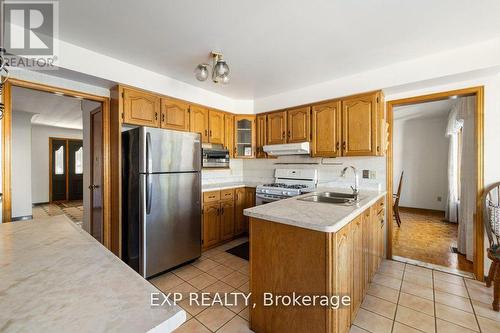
(71, 167)
(65, 170)
(435, 213)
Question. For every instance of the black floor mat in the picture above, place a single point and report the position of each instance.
(241, 250)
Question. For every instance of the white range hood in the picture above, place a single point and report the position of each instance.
(302, 148)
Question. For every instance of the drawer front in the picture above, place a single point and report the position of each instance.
(212, 196)
(227, 194)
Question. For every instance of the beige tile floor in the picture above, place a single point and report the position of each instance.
(401, 298)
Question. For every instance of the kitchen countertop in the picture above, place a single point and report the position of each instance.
(325, 217)
(225, 186)
(55, 277)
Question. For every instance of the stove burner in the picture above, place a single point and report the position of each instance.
(282, 185)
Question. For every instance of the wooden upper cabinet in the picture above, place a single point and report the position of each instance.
(326, 130)
(216, 127)
(276, 127)
(229, 133)
(141, 108)
(299, 125)
(198, 121)
(244, 136)
(359, 126)
(261, 136)
(174, 115)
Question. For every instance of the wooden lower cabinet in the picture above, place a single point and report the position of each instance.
(211, 225)
(332, 264)
(223, 217)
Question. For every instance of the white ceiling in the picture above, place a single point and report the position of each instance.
(274, 46)
(50, 109)
(424, 110)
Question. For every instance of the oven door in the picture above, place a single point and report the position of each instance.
(261, 199)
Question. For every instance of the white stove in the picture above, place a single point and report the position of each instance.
(287, 183)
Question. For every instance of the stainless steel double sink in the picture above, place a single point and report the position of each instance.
(338, 198)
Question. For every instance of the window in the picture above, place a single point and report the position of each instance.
(59, 161)
(79, 161)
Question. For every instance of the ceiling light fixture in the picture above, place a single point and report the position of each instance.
(220, 69)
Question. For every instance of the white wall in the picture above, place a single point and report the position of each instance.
(40, 152)
(21, 160)
(421, 150)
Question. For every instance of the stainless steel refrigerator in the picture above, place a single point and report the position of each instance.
(161, 208)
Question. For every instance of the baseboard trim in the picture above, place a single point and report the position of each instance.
(22, 218)
(40, 204)
(423, 210)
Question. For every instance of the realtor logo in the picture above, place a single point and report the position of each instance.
(31, 32)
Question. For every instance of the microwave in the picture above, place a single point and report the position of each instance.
(215, 158)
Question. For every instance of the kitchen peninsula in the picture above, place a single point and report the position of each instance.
(55, 277)
(313, 248)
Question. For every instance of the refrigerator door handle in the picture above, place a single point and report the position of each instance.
(149, 157)
(149, 193)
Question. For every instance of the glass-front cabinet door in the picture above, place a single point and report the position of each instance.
(244, 136)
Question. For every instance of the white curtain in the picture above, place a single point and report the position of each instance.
(467, 207)
(452, 130)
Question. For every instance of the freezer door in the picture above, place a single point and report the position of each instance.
(168, 151)
(170, 219)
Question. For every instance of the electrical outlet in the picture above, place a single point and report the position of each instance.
(439, 199)
(373, 174)
(366, 174)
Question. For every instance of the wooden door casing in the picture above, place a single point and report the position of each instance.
(211, 224)
(326, 130)
(359, 120)
(216, 127)
(174, 115)
(261, 135)
(299, 125)
(229, 133)
(276, 128)
(198, 122)
(141, 108)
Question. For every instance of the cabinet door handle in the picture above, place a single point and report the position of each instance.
(289, 134)
(210, 133)
(344, 145)
(206, 132)
(283, 135)
(337, 146)
(156, 115)
(163, 118)
(218, 211)
(222, 211)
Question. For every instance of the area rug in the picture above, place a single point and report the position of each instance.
(241, 250)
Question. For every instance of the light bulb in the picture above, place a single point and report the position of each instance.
(221, 68)
(201, 72)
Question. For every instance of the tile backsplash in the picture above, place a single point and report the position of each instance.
(262, 170)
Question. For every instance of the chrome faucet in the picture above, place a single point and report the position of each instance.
(355, 189)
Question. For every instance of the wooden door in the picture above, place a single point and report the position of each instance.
(299, 125)
(244, 136)
(239, 206)
(75, 170)
(357, 265)
(276, 127)
(359, 121)
(174, 115)
(229, 133)
(198, 121)
(211, 224)
(326, 130)
(261, 135)
(216, 127)
(344, 274)
(58, 169)
(227, 220)
(96, 175)
(141, 108)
